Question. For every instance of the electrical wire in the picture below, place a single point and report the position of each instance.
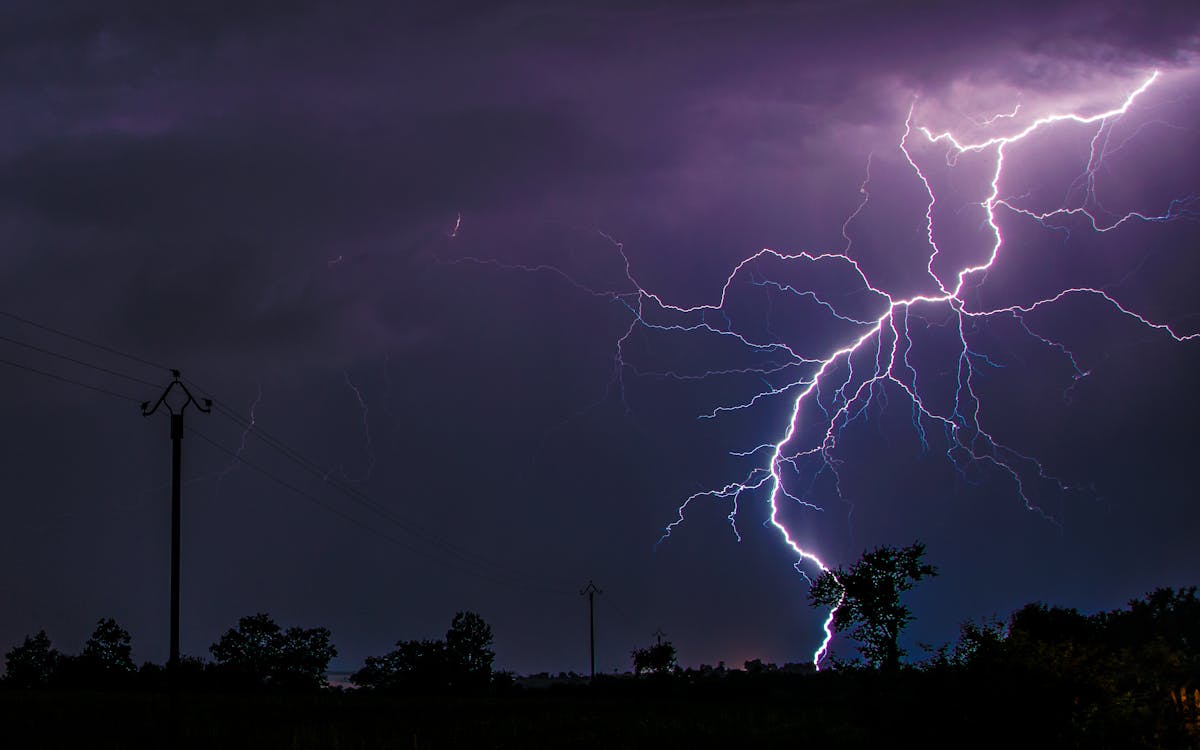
(82, 340)
(465, 557)
(81, 362)
(64, 379)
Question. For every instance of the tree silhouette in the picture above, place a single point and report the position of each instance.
(108, 651)
(656, 659)
(1123, 678)
(1159, 637)
(412, 665)
(33, 663)
(867, 597)
(250, 650)
(105, 662)
(468, 648)
(304, 658)
(462, 661)
(258, 653)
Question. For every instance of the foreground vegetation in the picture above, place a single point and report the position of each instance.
(1046, 677)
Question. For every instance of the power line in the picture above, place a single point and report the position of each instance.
(82, 340)
(81, 362)
(464, 556)
(63, 379)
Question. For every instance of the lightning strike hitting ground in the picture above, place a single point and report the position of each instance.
(890, 338)
(834, 388)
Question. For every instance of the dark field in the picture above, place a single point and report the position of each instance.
(829, 710)
(348, 721)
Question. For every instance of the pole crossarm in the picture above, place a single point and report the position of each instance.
(204, 405)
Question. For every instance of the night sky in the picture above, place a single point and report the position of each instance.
(405, 243)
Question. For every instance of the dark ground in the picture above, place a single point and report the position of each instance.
(826, 710)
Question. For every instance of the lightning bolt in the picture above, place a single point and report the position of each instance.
(828, 391)
(250, 425)
(996, 118)
(368, 445)
(886, 341)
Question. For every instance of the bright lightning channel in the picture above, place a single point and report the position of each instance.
(969, 442)
(886, 334)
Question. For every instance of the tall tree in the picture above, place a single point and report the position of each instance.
(656, 659)
(867, 599)
(249, 651)
(304, 656)
(469, 648)
(33, 663)
(109, 650)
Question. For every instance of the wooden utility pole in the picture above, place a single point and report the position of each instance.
(176, 458)
(591, 592)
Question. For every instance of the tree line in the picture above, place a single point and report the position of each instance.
(258, 654)
(1108, 679)
(1127, 677)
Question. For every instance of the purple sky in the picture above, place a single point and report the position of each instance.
(268, 201)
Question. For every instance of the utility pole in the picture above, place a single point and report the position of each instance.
(176, 454)
(591, 592)
(659, 635)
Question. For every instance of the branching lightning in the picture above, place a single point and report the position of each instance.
(826, 391)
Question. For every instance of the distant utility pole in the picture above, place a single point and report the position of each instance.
(591, 592)
(659, 635)
(176, 446)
